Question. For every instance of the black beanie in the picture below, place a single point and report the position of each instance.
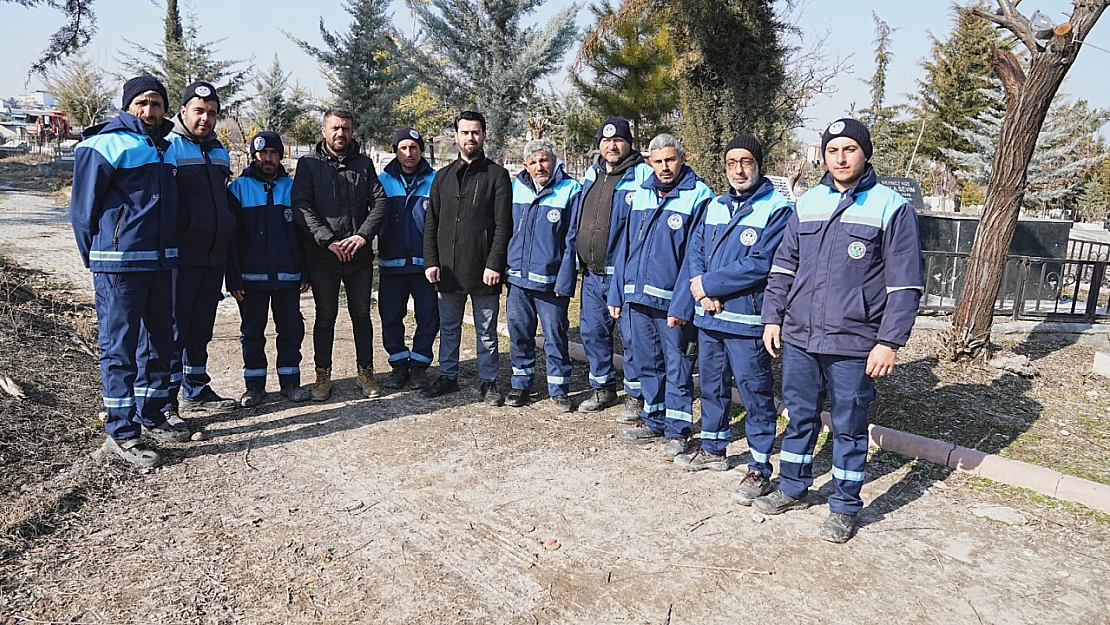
(407, 133)
(203, 90)
(139, 85)
(749, 143)
(267, 139)
(850, 128)
(614, 127)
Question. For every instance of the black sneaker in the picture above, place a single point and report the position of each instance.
(418, 378)
(208, 400)
(441, 386)
(639, 435)
(753, 485)
(563, 402)
(490, 394)
(838, 528)
(517, 397)
(601, 399)
(632, 408)
(398, 378)
(777, 502)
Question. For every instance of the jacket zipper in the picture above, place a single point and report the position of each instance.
(119, 223)
(215, 203)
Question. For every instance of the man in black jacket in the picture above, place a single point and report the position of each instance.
(466, 239)
(338, 200)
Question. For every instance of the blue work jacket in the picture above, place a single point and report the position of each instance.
(542, 255)
(401, 240)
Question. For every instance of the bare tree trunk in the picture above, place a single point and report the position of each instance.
(1028, 98)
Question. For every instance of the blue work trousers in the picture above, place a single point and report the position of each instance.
(394, 291)
(254, 311)
(596, 327)
(665, 372)
(525, 309)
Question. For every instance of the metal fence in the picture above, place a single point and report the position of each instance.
(1032, 287)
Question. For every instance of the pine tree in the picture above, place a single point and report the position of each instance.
(629, 71)
(892, 137)
(74, 35)
(951, 94)
(275, 108)
(81, 90)
(183, 59)
(363, 67)
(491, 58)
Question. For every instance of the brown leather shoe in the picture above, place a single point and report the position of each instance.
(369, 385)
(321, 390)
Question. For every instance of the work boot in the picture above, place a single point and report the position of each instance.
(253, 397)
(295, 393)
(632, 408)
(753, 485)
(166, 432)
(134, 451)
(599, 400)
(639, 435)
(563, 402)
(398, 378)
(701, 459)
(321, 390)
(490, 394)
(838, 528)
(418, 378)
(441, 386)
(367, 382)
(517, 398)
(207, 400)
(777, 502)
(672, 448)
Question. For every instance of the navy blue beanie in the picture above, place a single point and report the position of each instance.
(847, 127)
(407, 133)
(614, 127)
(139, 85)
(267, 139)
(203, 90)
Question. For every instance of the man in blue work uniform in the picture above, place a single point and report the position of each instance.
(850, 268)
(124, 212)
(406, 180)
(664, 212)
(205, 227)
(726, 269)
(542, 272)
(265, 270)
(606, 202)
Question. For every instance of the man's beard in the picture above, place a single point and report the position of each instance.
(336, 148)
(471, 150)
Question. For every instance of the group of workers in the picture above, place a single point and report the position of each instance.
(728, 281)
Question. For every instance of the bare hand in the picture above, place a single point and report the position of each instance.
(561, 295)
(339, 251)
(238, 294)
(712, 304)
(352, 244)
(880, 362)
(675, 321)
(491, 277)
(696, 289)
(772, 339)
(615, 312)
(305, 286)
(432, 274)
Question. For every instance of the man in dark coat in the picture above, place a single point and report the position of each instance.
(338, 200)
(466, 239)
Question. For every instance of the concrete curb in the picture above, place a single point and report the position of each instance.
(1038, 479)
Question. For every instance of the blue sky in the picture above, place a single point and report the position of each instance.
(253, 29)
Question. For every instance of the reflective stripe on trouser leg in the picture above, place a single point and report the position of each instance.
(751, 366)
(197, 294)
(426, 311)
(254, 310)
(153, 385)
(802, 384)
(716, 392)
(486, 309)
(631, 373)
(552, 311)
(289, 323)
(679, 386)
(650, 365)
(520, 309)
(850, 395)
(596, 328)
(393, 300)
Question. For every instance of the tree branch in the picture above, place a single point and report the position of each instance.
(1011, 20)
(1009, 71)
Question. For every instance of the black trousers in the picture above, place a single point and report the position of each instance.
(358, 280)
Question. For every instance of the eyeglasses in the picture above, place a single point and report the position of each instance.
(746, 163)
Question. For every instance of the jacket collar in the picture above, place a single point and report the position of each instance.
(557, 177)
(626, 167)
(323, 153)
(869, 179)
(686, 182)
(393, 168)
(126, 122)
(179, 127)
(738, 202)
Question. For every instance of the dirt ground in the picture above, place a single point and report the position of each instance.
(407, 510)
